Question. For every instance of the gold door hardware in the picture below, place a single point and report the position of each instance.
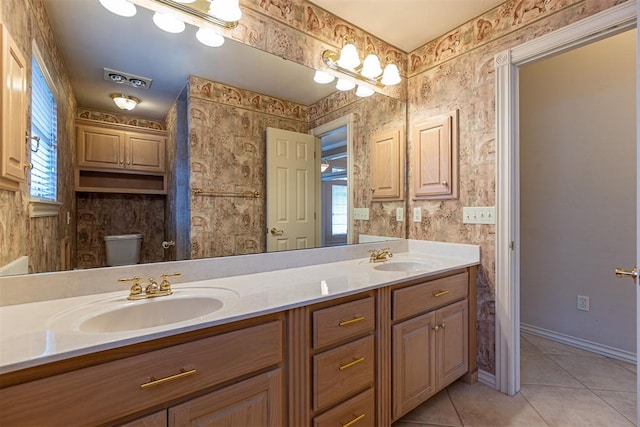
(348, 322)
(440, 293)
(633, 273)
(276, 232)
(353, 421)
(445, 184)
(352, 363)
(154, 382)
(440, 326)
(436, 328)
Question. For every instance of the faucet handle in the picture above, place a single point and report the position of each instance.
(165, 285)
(152, 286)
(136, 289)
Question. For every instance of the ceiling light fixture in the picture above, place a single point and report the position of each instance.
(171, 16)
(125, 102)
(120, 7)
(370, 71)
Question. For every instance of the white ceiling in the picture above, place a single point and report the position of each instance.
(90, 38)
(407, 24)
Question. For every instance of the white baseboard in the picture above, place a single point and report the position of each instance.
(486, 378)
(580, 343)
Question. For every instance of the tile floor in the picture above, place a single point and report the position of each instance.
(561, 386)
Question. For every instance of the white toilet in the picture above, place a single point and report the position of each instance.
(123, 249)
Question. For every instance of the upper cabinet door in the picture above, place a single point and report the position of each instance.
(13, 112)
(100, 147)
(435, 158)
(387, 165)
(144, 152)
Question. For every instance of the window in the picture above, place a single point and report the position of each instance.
(338, 209)
(44, 131)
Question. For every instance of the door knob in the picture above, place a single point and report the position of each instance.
(276, 232)
(633, 273)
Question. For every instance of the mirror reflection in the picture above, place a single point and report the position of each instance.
(214, 106)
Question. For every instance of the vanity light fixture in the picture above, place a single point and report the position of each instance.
(120, 7)
(125, 102)
(168, 22)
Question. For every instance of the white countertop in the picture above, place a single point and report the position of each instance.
(37, 333)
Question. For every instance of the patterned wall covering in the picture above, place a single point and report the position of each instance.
(104, 214)
(19, 234)
(371, 115)
(456, 71)
(227, 153)
(123, 119)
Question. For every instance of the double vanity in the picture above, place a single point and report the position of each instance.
(321, 337)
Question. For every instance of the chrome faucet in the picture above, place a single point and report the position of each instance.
(380, 255)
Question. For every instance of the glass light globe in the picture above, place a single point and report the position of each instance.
(371, 67)
(364, 91)
(344, 84)
(322, 77)
(391, 75)
(168, 23)
(210, 37)
(227, 10)
(119, 7)
(349, 57)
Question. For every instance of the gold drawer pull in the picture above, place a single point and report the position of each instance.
(353, 421)
(154, 381)
(350, 364)
(354, 320)
(440, 293)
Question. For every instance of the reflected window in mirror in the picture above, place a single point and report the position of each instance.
(44, 131)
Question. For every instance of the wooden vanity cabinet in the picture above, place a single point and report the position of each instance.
(217, 377)
(430, 339)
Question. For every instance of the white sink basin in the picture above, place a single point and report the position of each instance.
(118, 314)
(401, 266)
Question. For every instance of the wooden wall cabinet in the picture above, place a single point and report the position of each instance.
(387, 165)
(119, 158)
(13, 111)
(434, 158)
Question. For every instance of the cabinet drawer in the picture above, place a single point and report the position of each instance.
(359, 411)
(105, 392)
(334, 324)
(342, 371)
(417, 299)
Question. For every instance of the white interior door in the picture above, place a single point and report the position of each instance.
(291, 187)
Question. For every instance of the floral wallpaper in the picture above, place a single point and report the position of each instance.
(123, 119)
(457, 71)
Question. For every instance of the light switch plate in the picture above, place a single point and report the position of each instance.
(479, 215)
(361, 214)
(400, 214)
(417, 214)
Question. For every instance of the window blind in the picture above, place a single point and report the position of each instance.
(44, 131)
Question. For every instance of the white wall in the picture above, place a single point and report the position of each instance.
(578, 207)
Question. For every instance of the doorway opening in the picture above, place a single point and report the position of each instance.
(334, 172)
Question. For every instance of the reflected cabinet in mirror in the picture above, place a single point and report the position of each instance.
(215, 106)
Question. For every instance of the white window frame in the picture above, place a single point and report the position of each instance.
(40, 207)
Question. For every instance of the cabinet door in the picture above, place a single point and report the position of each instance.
(144, 152)
(157, 419)
(413, 359)
(387, 170)
(257, 401)
(13, 112)
(435, 158)
(100, 147)
(452, 343)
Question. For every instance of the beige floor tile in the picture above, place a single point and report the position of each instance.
(437, 410)
(572, 407)
(629, 366)
(482, 406)
(541, 369)
(598, 373)
(553, 347)
(526, 347)
(407, 424)
(622, 401)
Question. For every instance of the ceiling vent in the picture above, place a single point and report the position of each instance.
(129, 79)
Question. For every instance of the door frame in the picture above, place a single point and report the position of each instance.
(507, 291)
(348, 121)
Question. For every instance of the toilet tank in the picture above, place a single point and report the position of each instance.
(123, 249)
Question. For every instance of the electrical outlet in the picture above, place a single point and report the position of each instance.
(417, 214)
(400, 214)
(361, 214)
(583, 303)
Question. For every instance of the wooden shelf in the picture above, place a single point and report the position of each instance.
(118, 182)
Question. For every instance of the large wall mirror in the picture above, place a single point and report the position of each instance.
(213, 143)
